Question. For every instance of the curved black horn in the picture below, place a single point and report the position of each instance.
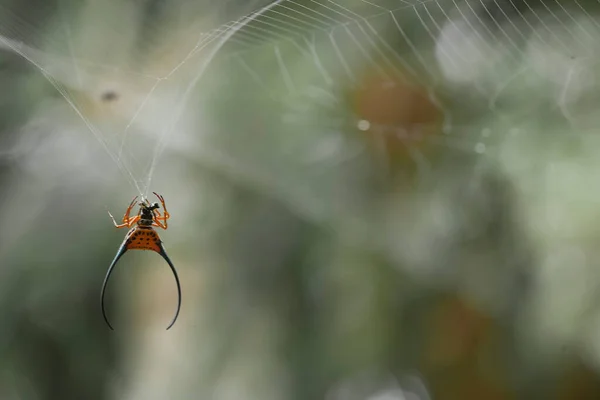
(164, 255)
(120, 253)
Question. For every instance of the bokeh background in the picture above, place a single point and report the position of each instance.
(370, 200)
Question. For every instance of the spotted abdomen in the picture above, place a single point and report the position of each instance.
(143, 239)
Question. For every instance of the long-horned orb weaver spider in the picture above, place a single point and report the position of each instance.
(143, 237)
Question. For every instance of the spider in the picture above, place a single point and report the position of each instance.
(143, 237)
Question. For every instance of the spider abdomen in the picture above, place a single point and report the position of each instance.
(143, 238)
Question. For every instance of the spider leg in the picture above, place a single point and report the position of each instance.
(126, 224)
(166, 215)
(113, 218)
(157, 217)
(162, 200)
(127, 220)
(132, 202)
(162, 218)
(157, 223)
(128, 211)
(120, 253)
(164, 255)
(133, 220)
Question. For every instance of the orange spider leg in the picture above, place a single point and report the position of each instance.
(127, 220)
(163, 218)
(160, 217)
(129, 223)
(159, 224)
(157, 220)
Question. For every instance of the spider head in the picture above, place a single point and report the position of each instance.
(146, 205)
(146, 210)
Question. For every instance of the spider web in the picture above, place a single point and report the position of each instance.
(300, 67)
(290, 98)
(73, 76)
